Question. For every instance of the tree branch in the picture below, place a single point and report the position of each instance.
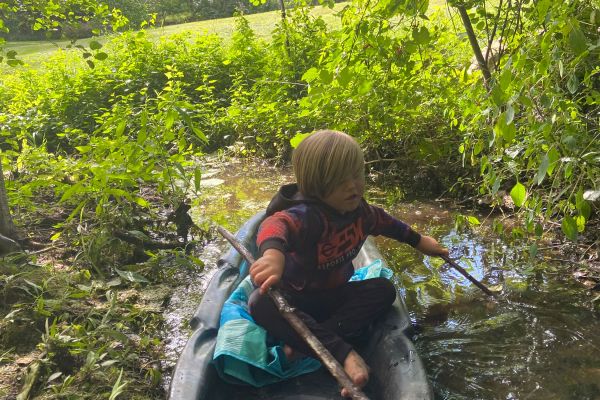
(487, 76)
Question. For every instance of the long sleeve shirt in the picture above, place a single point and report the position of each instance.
(320, 243)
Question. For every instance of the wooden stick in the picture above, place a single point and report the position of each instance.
(468, 276)
(332, 365)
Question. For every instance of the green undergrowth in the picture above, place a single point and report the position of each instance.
(106, 141)
(83, 316)
(89, 323)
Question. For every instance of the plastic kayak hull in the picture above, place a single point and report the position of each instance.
(397, 372)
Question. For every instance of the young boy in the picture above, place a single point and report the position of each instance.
(314, 230)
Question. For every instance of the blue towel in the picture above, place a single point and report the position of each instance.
(245, 354)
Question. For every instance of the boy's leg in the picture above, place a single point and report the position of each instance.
(341, 313)
(266, 314)
(359, 303)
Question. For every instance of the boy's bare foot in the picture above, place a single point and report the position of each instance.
(288, 351)
(291, 354)
(357, 370)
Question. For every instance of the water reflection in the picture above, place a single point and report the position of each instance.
(540, 342)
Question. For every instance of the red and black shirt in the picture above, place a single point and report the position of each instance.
(320, 243)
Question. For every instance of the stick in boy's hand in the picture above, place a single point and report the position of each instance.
(468, 276)
(429, 246)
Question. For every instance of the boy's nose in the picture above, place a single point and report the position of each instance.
(352, 184)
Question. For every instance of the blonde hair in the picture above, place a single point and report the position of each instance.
(324, 160)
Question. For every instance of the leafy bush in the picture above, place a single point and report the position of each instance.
(395, 80)
(536, 134)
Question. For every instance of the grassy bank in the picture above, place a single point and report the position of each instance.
(33, 52)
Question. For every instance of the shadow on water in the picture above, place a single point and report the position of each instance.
(540, 342)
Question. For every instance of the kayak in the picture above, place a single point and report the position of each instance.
(397, 372)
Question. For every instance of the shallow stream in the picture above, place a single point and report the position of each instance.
(540, 342)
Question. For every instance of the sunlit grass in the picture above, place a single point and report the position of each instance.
(263, 24)
(35, 52)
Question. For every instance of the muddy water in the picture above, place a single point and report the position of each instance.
(541, 341)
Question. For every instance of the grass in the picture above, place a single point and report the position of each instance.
(34, 52)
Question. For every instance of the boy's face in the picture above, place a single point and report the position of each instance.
(346, 196)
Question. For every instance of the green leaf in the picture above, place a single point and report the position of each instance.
(542, 7)
(473, 220)
(573, 84)
(580, 220)
(518, 194)
(553, 157)
(121, 127)
(577, 41)
(539, 229)
(170, 119)
(95, 45)
(364, 87)
(506, 130)
(310, 75)
(505, 79)
(83, 149)
(14, 62)
(498, 95)
(101, 56)
(510, 114)
(583, 206)
(295, 141)
(569, 227)
(421, 35)
(139, 235)
(132, 276)
(70, 192)
(120, 336)
(542, 169)
(533, 250)
(344, 77)
(200, 134)
(142, 202)
(326, 76)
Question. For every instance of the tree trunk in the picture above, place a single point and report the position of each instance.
(282, 6)
(487, 76)
(8, 230)
(284, 24)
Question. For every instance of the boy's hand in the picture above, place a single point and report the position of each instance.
(429, 246)
(267, 270)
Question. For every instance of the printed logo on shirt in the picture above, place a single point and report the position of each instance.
(341, 246)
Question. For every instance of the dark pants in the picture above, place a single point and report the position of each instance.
(334, 316)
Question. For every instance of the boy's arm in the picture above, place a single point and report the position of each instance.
(385, 224)
(380, 222)
(275, 235)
